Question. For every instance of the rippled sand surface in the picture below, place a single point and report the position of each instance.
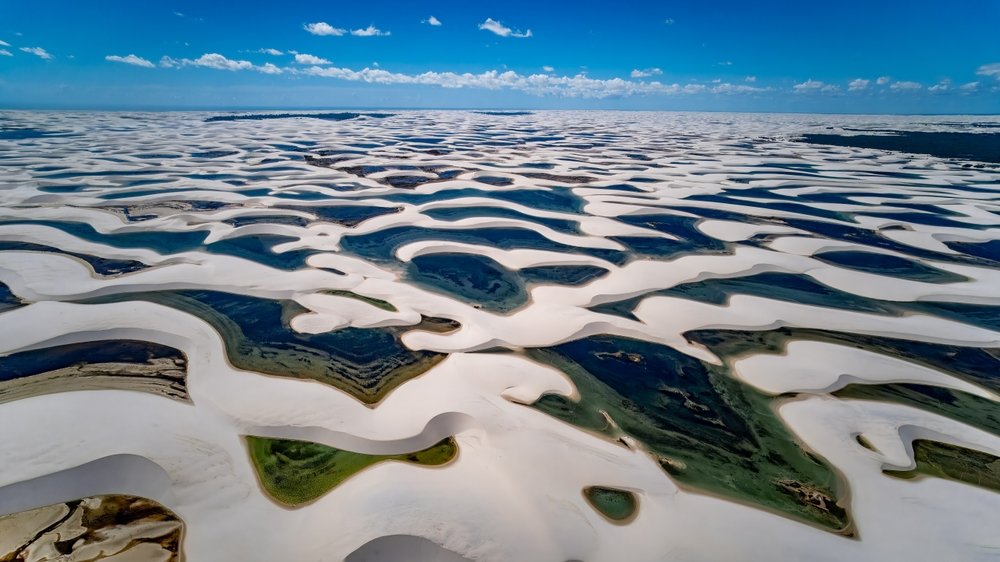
(752, 346)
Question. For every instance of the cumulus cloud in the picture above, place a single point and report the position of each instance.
(38, 52)
(4, 43)
(303, 58)
(268, 68)
(858, 84)
(750, 79)
(502, 30)
(969, 87)
(370, 31)
(811, 86)
(219, 62)
(883, 80)
(905, 85)
(669, 21)
(323, 28)
(272, 52)
(992, 70)
(431, 21)
(5, 53)
(646, 72)
(579, 86)
(548, 68)
(130, 59)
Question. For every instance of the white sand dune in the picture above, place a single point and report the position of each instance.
(147, 184)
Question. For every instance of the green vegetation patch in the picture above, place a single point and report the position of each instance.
(944, 460)
(295, 473)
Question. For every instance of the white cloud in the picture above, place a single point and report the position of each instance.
(548, 68)
(219, 62)
(883, 80)
(4, 43)
(370, 31)
(726, 63)
(130, 59)
(272, 52)
(989, 70)
(179, 14)
(906, 85)
(969, 87)
(38, 52)
(645, 73)
(5, 53)
(323, 28)
(269, 68)
(810, 86)
(940, 87)
(502, 30)
(727, 88)
(750, 79)
(431, 21)
(669, 21)
(579, 86)
(858, 84)
(303, 58)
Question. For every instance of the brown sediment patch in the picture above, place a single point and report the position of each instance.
(93, 528)
(95, 365)
(165, 377)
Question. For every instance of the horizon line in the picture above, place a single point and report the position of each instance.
(237, 108)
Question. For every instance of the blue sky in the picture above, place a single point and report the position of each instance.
(873, 56)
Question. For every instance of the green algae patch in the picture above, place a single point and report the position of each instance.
(367, 363)
(707, 430)
(377, 303)
(294, 473)
(979, 412)
(617, 505)
(952, 462)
